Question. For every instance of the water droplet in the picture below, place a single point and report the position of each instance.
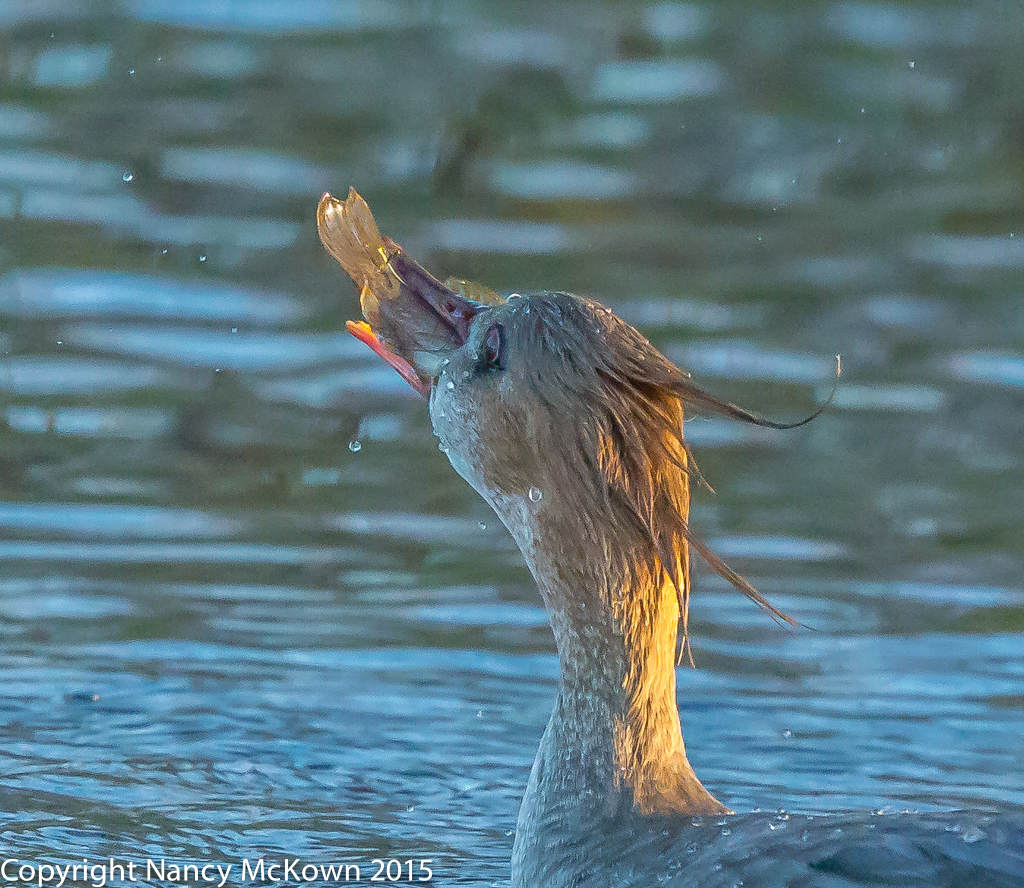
(127, 176)
(234, 329)
(60, 342)
(787, 733)
(691, 848)
(202, 258)
(465, 374)
(480, 714)
(911, 64)
(727, 832)
(535, 495)
(355, 446)
(131, 71)
(411, 808)
(451, 385)
(164, 251)
(482, 526)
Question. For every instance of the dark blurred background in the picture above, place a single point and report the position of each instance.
(245, 605)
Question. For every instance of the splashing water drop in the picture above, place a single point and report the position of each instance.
(128, 176)
(482, 526)
(355, 446)
(202, 258)
(535, 495)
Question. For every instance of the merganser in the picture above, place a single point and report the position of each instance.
(568, 422)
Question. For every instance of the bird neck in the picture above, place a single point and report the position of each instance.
(615, 733)
(613, 748)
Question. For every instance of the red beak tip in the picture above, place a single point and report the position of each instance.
(364, 333)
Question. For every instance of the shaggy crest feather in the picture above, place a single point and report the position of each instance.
(629, 464)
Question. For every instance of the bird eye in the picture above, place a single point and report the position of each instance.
(493, 353)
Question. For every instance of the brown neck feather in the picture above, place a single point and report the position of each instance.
(615, 614)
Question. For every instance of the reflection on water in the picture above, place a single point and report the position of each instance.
(246, 608)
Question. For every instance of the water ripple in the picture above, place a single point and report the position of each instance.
(89, 519)
(248, 352)
(69, 292)
(43, 375)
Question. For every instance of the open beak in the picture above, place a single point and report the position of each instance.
(364, 333)
(411, 319)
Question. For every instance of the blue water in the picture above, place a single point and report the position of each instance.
(246, 607)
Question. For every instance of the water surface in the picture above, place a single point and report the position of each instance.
(247, 609)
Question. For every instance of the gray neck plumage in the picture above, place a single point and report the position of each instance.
(613, 748)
